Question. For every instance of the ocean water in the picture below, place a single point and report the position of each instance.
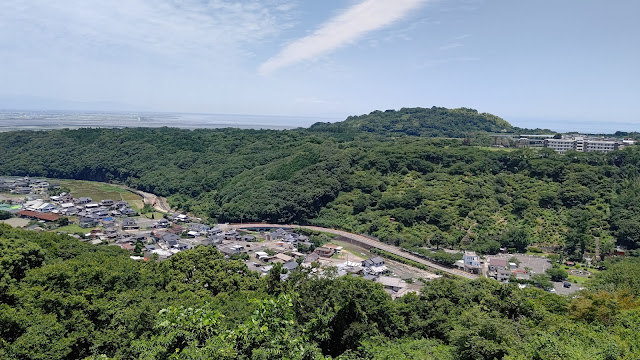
(46, 120)
(585, 127)
(73, 120)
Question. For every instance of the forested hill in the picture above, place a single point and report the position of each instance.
(63, 299)
(408, 190)
(426, 122)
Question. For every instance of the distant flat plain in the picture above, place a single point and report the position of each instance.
(48, 120)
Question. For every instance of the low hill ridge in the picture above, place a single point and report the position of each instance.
(426, 122)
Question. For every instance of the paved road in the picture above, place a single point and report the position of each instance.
(363, 239)
(158, 202)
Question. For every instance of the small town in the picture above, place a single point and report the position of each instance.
(39, 204)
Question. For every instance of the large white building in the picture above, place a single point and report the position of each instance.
(560, 145)
(582, 144)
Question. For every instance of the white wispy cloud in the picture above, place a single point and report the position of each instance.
(344, 29)
(156, 26)
(451, 46)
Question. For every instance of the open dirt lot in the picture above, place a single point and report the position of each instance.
(16, 222)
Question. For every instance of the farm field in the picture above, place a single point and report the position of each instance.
(100, 191)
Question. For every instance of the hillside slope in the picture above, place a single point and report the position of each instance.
(426, 122)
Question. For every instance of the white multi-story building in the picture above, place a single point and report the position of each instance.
(582, 144)
(471, 261)
(560, 145)
(601, 145)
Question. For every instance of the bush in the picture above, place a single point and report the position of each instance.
(557, 274)
(4, 215)
(534, 249)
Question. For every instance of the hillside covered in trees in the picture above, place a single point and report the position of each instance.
(412, 191)
(62, 299)
(425, 122)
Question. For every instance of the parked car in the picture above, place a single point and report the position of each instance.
(566, 284)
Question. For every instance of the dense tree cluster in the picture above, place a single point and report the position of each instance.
(426, 122)
(410, 190)
(62, 299)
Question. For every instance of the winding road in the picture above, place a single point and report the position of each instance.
(159, 203)
(364, 240)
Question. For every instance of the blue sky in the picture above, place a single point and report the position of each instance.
(530, 62)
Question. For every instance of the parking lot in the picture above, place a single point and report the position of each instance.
(537, 264)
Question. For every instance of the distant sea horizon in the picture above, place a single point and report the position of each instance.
(11, 120)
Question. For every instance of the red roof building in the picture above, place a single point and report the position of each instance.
(39, 216)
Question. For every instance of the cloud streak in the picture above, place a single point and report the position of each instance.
(344, 29)
(160, 27)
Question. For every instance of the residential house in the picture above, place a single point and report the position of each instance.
(290, 266)
(214, 239)
(335, 248)
(521, 274)
(162, 223)
(324, 252)
(281, 258)
(199, 228)
(70, 211)
(261, 255)
(230, 235)
(169, 237)
(87, 222)
(128, 246)
(127, 211)
(496, 264)
(176, 229)
(182, 246)
(120, 204)
(375, 266)
(107, 202)
(101, 213)
(471, 262)
(66, 198)
(22, 190)
(84, 200)
(374, 261)
(503, 275)
(313, 257)
(129, 224)
(392, 283)
(248, 238)
(231, 250)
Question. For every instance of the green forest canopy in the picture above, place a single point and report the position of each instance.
(63, 299)
(401, 189)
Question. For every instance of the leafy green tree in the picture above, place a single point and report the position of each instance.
(542, 281)
(438, 238)
(4, 215)
(556, 273)
(516, 238)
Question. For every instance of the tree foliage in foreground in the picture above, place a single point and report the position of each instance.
(62, 299)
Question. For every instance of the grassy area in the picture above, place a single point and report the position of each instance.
(99, 191)
(581, 280)
(577, 279)
(490, 148)
(153, 215)
(354, 249)
(73, 229)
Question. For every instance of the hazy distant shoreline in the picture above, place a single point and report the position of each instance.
(51, 120)
(27, 120)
